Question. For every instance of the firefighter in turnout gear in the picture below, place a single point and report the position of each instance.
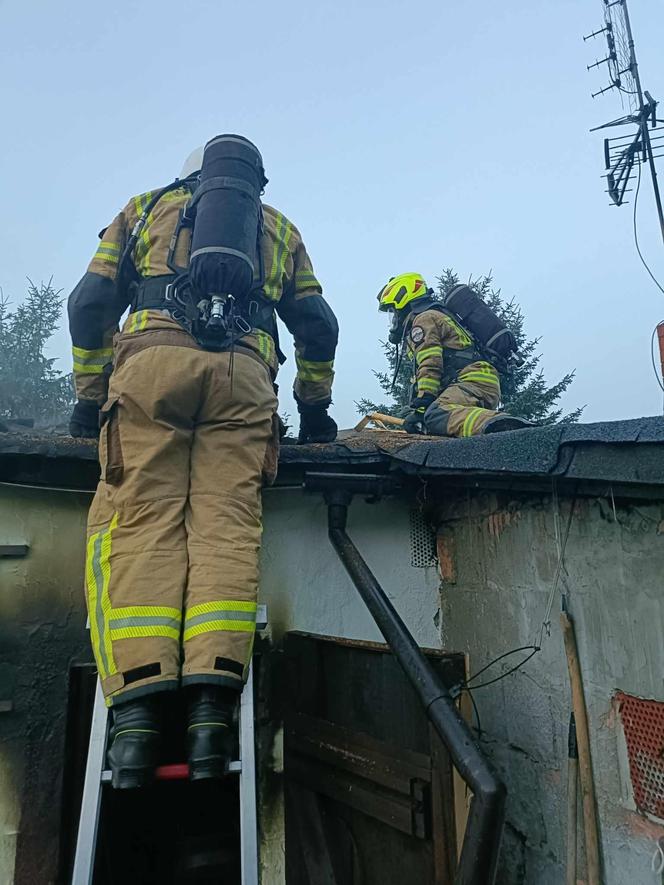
(188, 433)
(456, 387)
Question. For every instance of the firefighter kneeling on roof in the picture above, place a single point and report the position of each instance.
(456, 385)
(188, 427)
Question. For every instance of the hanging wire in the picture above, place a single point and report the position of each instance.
(636, 235)
(657, 863)
(652, 277)
(652, 358)
(533, 649)
(546, 621)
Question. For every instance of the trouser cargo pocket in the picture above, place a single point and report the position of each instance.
(110, 445)
(271, 460)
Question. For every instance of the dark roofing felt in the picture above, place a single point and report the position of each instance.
(614, 451)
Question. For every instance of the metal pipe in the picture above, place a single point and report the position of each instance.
(481, 845)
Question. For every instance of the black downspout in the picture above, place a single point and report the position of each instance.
(479, 855)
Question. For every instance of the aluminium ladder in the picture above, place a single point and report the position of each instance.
(96, 776)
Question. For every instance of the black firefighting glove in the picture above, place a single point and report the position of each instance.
(84, 421)
(413, 422)
(316, 426)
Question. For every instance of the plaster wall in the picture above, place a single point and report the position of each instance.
(506, 553)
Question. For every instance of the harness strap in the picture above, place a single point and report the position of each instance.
(149, 293)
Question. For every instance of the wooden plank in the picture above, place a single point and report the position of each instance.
(388, 807)
(315, 851)
(360, 754)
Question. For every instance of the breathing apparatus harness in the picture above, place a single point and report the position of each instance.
(218, 298)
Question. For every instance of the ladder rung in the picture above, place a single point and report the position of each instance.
(177, 772)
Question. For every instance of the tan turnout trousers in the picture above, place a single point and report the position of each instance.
(466, 406)
(174, 529)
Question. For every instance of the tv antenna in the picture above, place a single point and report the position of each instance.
(625, 152)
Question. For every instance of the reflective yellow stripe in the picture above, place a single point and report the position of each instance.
(91, 362)
(91, 584)
(311, 370)
(143, 632)
(464, 338)
(265, 345)
(143, 244)
(429, 384)
(137, 621)
(89, 368)
(98, 576)
(152, 611)
(108, 251)
(471, 420)
(235, 605)
(273, 282)
(84, 355)
(136, 322)
(434, 350)
(485, 378)
(306, 279)
(214, 626)
(233, 615)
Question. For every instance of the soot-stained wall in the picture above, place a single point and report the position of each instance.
(42, 633)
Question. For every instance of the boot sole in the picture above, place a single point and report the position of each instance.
(208, 769)
(126, 779)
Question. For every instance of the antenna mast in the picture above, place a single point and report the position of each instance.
(622, 153)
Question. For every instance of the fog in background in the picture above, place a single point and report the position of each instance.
(396, 136)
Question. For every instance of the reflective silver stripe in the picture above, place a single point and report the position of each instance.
(144, 621)
(95, 360)
(221, 614)
(224, 250)
(496, 337)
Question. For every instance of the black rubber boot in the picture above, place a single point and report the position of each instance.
(506, 422)
(210, 731)
(134, 744)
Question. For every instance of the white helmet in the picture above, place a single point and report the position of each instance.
(193, 163)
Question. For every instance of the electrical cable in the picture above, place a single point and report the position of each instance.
(652, 357)
(650, 273)
(636, 235)
(533, 651)
(496, 660)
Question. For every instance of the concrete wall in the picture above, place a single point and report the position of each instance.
(506, 553)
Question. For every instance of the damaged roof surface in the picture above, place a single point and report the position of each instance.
(629, 452)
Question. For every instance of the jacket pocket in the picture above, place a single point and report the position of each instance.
(110, 445)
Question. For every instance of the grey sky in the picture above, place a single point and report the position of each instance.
(397, 136)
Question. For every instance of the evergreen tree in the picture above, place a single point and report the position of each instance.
(30, 385)
(525, 393)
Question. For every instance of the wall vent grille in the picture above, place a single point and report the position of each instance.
(643, 724)
(422, 541)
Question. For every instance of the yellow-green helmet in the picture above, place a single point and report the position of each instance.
(401, 290)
